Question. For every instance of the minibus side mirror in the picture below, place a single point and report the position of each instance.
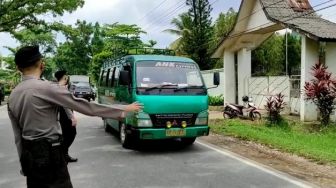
(124, 78)
(216, 79)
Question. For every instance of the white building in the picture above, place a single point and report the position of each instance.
(259, 19)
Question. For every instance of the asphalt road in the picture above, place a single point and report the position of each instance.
(103, 163)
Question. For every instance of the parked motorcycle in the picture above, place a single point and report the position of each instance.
(246, 111)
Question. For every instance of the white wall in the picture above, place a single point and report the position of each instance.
(208, 79)
(260, 88)
(258, 19)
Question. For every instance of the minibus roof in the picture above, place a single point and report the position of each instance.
(159, 58)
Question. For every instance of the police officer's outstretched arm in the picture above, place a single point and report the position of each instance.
(63, 97)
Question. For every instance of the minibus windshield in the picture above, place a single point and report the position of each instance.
(152, 76)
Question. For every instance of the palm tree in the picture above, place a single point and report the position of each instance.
(183, 24)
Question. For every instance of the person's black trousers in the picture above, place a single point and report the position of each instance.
(44, 165)
(68, 131)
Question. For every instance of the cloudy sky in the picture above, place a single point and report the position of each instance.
(152, 16)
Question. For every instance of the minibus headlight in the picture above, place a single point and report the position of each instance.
(144, 120)
(202, 118)
(201, 121)
(145, 123)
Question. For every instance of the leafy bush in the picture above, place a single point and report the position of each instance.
(322, 91)
(216, 100)
(274, 105)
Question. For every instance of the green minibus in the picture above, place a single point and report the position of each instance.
(171, 89)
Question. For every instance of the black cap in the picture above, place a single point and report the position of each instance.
(27, 56)
(59, 74)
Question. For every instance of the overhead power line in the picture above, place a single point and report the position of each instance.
(157, 28)
(153, 9)
(169, 12)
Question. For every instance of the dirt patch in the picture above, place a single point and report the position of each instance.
(323, 175)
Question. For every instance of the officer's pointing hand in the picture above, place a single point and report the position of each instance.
(134, 107)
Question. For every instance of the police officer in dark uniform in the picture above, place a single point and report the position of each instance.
(67, 119)
(33, 110)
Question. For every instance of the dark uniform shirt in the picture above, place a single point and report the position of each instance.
(33, 109)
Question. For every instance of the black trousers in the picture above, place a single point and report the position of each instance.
(69, 132)
(44, 165)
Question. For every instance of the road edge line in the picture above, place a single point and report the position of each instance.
(262, 167)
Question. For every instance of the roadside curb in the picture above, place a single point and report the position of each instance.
(265, 168)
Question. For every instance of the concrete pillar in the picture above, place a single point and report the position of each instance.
(330, 57)
(330, 61)
(244, 72)
(309, 57)
(229, 77)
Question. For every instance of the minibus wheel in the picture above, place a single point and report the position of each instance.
(125, 139)
(107, 128)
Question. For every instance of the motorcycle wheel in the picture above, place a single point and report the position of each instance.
(255, 116)
(229, 113)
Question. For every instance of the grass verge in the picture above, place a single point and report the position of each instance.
(319, 145)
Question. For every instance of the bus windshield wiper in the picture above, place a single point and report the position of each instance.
(159, 87)
(189, 87)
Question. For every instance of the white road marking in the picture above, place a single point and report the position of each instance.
(257, 165)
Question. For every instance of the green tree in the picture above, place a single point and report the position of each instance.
(151, 43)
(223, 25)
(183, 24)
(16, 14)
(197, 43)
(75, 54)
(294, 53)
(268, 58)
(37, 35)
(115, 37)
(122, 36)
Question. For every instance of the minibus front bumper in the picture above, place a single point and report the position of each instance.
(165, 133)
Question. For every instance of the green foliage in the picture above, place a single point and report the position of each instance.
(293, 138)
(269, 57)
(37, 35)
(294, 53)
(223, 25)
(183, 24)
(322, 91)
(10, 76)
(98, 61)
(197, 38)
(108, 38)
(74, 55)
(16, 14)
(197, 42)
(121, 36)
(274, 105)
(216, 100)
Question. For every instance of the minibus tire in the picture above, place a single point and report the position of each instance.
(107, 128)
(188, 141)
(125, 139)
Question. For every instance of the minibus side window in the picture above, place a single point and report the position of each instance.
(101, 78)
(112, 77)
(129, 69)
(116, 75)
(107, 77)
